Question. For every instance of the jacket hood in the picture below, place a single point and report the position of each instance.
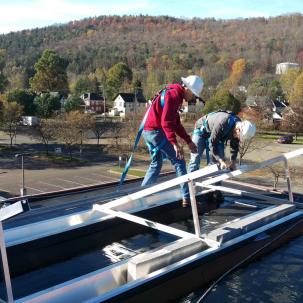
(178, 87)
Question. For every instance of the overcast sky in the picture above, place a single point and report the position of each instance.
(26, 14)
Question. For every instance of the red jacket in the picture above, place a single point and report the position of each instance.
(168, 117)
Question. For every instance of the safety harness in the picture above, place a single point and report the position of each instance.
(153, 150)
(202, 131)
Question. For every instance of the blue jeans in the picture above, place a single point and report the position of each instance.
(154, 138)
(202, 144)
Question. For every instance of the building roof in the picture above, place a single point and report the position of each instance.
(278, 103)
(129, 97)
(92, 96)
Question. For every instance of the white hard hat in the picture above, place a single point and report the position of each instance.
(194, 83)
(247, 130)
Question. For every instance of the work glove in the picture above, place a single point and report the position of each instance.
(222, 164)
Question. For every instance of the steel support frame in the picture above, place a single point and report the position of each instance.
(208, 183)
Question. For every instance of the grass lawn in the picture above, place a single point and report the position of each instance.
(56, 158)
(8, 148)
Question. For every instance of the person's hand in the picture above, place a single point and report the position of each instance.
(222, 164)
(193, 147)
(232, 165)
(179, 151)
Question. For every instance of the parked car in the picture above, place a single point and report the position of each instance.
(286, 139)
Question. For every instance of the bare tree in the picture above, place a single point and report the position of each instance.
(117, 135)
(250, 146)
(67, 133)
(80, 123)
(278, 171)
(46, 129)
(292, 120)
(102, 127)
(132, 125)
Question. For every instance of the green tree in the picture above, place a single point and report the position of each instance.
(11, 114)
(85, 84)
(257, 88)
(224, 100)
(24, 98)
(275, 90)
(3, 78)
(47, 104)
(50, 73)
(118, 75)
(72, 103)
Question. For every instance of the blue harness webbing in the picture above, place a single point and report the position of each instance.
(203, 130)
(140, 131)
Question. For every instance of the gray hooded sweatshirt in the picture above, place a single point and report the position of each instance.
(217, 126)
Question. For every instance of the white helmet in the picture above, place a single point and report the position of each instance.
(247, 130)
(194, 83)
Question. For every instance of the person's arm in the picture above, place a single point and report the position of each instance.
(181, 132)
(217, 135)
(169, 117)
(234, 148)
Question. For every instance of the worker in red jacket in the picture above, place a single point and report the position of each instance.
(162, 126)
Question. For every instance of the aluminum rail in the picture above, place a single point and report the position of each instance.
(242, 193)
(207, 171)
(162, 186)
(249, 168)
(6, 213)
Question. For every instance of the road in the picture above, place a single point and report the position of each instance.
(45, 177)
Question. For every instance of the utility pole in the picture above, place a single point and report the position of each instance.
(135, 103)
(102, 91)
(22, 189)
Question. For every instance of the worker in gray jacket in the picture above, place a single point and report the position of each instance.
(211, 133)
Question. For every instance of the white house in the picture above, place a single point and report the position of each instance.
(126, 104)
(283, 67)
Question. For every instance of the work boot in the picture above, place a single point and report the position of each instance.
(185, 202)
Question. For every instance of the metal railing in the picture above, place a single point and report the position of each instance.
(6, 213)
(208, 183)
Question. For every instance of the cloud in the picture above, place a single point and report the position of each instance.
(39, 13)
(27, 14)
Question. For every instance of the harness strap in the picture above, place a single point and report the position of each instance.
(140, 131)
(231, 123)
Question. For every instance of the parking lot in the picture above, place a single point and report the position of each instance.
(40, 177)
(38, 181)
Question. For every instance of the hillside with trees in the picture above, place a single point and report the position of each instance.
(157, 49)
